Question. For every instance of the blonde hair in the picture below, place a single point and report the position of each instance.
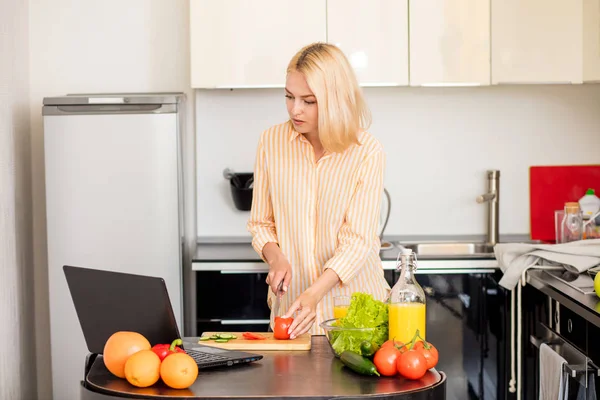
(342, 109)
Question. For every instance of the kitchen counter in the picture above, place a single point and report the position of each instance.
(314, 374)
(237, 254)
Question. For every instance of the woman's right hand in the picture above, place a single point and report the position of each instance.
(280, 270)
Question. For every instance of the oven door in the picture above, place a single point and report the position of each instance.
(580, 375)
(232, 297)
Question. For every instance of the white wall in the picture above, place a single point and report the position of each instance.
(17, 358)
(87, 47)
(439, 142)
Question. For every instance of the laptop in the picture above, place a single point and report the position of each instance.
(108, 301)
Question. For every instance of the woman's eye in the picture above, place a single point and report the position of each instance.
(287, 96)
(309, 102)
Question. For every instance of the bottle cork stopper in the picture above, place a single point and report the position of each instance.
(572, 207)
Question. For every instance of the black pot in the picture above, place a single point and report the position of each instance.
(241, 190)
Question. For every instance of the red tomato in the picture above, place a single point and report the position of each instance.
(390, 343)
(431, 355)
(385, 360)
(280, 331)
(411, 364)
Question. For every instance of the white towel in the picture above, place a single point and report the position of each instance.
(552, 384)
(514, 258)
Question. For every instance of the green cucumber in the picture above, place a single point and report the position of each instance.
(358, 363)
(204, 338)
(225, 336)
(214, 337)
(368, 348)
(221, 340)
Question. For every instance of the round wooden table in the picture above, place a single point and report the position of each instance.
(314, 374)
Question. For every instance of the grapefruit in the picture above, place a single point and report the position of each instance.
(119, 347)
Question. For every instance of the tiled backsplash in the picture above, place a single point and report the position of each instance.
(439, 143)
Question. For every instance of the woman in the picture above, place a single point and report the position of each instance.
(318, 183)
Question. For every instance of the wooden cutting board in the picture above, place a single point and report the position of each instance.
(270, 343)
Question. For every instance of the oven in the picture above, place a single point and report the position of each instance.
(231, 297)
(546, 321)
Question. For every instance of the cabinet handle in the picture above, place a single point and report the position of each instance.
(570, 325)
(455, 271)
(243, 271)
(244, 321)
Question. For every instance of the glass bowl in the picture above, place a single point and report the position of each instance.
(346, 338)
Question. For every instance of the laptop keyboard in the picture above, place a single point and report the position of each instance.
(205, 357)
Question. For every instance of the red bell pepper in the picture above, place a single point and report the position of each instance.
(164, 350)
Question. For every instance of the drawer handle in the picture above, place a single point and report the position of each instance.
(570, 326)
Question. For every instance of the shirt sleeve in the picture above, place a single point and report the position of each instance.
(261, 223)
(357, 238)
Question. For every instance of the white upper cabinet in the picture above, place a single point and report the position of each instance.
(248, 43)
(374, 37)
(537, 41)
(591, 41)
(449, 42)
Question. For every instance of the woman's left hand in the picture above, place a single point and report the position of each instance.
(306, 305)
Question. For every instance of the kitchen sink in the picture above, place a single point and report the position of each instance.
(469, 249)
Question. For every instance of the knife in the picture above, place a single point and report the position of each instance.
(278, 299)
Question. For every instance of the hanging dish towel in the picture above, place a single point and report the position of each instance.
(553, 381)
(589, 392)
(514, 258)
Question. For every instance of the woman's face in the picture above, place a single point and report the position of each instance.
(301, 103)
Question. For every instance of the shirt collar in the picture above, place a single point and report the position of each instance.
(294, 134)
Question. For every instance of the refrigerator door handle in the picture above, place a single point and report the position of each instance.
(97, 109)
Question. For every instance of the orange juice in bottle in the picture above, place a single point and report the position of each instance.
(407, 309)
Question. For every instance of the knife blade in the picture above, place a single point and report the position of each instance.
(277, 299)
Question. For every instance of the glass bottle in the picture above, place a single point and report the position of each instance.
(407, 309)
(572, 223)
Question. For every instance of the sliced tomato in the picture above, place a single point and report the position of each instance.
(253, 336)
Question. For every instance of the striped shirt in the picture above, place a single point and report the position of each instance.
(322, 214)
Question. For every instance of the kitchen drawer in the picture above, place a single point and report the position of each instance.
(226, 295)
(573, 328)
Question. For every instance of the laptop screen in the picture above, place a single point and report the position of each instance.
(107, 302)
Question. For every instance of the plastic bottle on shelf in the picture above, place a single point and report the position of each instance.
(407, 307)
(589, 204)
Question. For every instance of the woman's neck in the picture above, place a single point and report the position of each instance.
(313, 139)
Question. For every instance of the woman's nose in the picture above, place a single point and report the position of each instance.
(297, 108)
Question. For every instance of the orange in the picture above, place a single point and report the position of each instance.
(142, 369)
(119, 347)
(179, 371)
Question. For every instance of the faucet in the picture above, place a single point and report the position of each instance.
(492, 198)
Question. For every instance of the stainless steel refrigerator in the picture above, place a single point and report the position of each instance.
(113, 202)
